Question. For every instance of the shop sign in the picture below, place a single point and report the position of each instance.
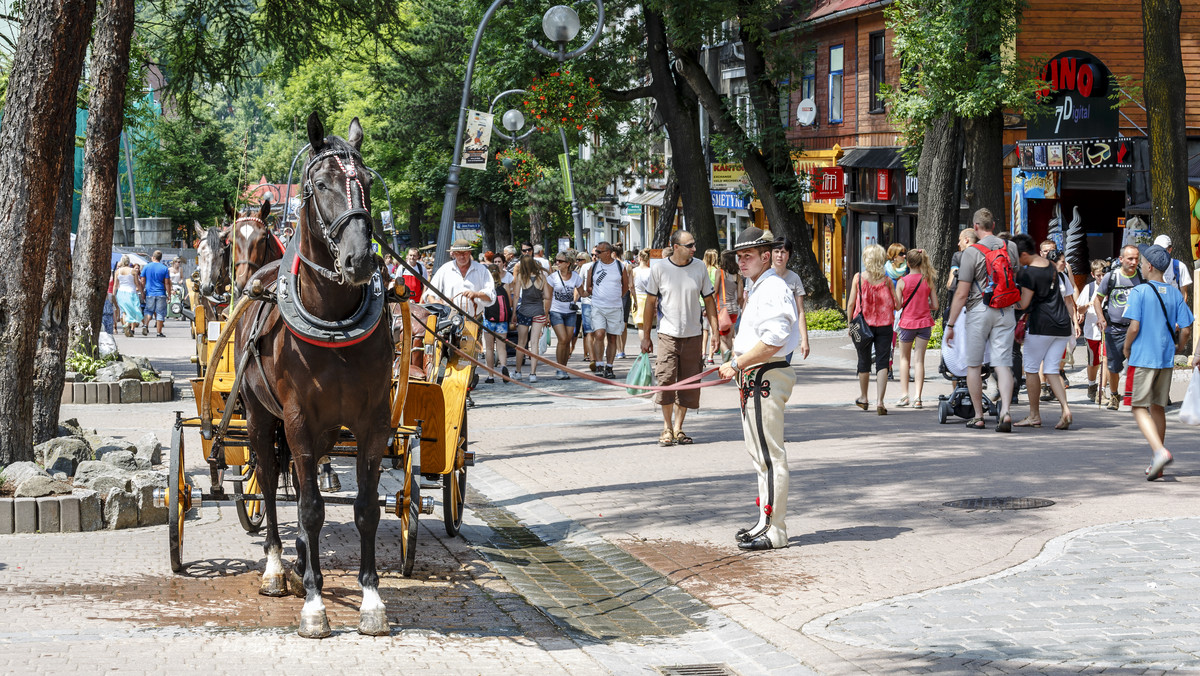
(729, 177)
(883, 185)
(467, 226)
(1076, 153)
(828, 183)
(729, 200)
(1077, 89)
(633, 210)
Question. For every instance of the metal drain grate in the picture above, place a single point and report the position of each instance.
(999, 503)
(698, 670)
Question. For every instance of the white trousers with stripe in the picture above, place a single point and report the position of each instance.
(765, 390)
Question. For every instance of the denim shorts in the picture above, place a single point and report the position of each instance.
(496, 327)
(565, 318)
(587, 317)
(156, 308)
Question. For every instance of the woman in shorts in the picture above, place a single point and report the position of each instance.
(532, 294)
(564, 306)
(918, 304)
(1049, 328)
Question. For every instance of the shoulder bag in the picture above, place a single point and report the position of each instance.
(860, 330)
(1166, 318)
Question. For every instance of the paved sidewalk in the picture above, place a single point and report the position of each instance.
(589, 549)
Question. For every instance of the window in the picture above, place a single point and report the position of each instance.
(745, 114)
(835, 84)
(877, 72)
(808, 80)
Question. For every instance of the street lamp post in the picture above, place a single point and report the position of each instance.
(557, 24)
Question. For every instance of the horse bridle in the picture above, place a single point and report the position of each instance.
(217, 298)
(331, 231)
(246, 261)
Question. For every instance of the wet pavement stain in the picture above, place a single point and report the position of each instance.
(696, 565)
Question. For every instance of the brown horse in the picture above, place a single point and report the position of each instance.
(320, 365)
(254, 245)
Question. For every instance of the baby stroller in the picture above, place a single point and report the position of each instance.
(953, 367)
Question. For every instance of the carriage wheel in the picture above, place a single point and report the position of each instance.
(250, 512)
(410, 511)
(454, 487)
(176, 500)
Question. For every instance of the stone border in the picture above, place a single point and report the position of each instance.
(110, 393)
(53, 514)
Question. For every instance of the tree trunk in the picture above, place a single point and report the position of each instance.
(1166, 91)
(416, 208)
(504, 235)
(666, 216)
(680, 111)
(983, 142)
(53, 330)
(487, 224)
(38, 115)
(106, 113)
(938, 192)
(769, 167)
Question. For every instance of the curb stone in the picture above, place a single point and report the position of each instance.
(6, 517)
(25, 515)
(48, 515)
(69, 513)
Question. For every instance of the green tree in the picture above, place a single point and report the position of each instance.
(187, 170)
(956, 82)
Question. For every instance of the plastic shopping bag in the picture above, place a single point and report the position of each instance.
(640, 374)
(544, 340)
(1189, 412)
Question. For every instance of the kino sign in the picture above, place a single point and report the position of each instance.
(1077, 88)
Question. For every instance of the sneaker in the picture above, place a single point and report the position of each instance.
(1092, 390)
(620, 355)
(1047, 394)
(145, 330)
(489, 380)
(533, 377)
(608, 373)
(504, 371)
(1114, 402)
(161, 335)
(1066, 381)
(516, 375)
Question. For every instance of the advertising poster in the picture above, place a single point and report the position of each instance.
(729, 177)
(477, 138)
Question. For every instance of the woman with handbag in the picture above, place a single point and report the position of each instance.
(873, 302)
(918, 291)
(1049, 328)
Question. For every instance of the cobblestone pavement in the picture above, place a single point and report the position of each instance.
(588, 549)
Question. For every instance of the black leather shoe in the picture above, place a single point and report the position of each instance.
(743, 535)
(758, 544)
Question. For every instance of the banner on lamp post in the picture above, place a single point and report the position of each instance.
(568, 191)
(477, 140)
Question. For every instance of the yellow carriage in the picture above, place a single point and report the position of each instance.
(428, 421)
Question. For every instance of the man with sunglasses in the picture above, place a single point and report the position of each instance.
(606, 282)
(678, 284)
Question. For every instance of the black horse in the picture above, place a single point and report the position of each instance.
(309, 380)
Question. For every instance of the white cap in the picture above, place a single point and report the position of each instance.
(1163, 240)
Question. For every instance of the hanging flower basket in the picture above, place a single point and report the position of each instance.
(563, 100)
(521, 168)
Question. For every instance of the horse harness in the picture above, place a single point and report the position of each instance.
(330, 231)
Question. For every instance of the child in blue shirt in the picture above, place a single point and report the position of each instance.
(1155, 310)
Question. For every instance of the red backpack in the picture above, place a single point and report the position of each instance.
(1001, 290)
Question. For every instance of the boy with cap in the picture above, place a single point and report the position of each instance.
(1154, 309)
(767, 329)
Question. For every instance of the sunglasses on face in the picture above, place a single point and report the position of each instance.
(688, 246)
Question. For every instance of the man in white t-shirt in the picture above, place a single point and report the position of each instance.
(676, 285)
(605, 283)
(1176, 274)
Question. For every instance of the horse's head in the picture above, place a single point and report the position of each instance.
(212, 259)
(337, 192)
(254, 243)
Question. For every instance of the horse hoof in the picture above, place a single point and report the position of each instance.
(374, 623)
(295, 584)
(273, 585)
(314, 625)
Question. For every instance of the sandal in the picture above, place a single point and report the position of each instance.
(682, 439)
(1028, 422)
(667, 438)
(1005, 423)
(917, 403)
(903, 402)
(862, 403)
(1064, 423)
(881, 410)
(976, 424)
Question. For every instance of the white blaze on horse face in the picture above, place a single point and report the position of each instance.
(203, 260)
(371, 600)
(246, 231)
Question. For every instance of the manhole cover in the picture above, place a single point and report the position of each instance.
(698, 670)
(999, 503)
